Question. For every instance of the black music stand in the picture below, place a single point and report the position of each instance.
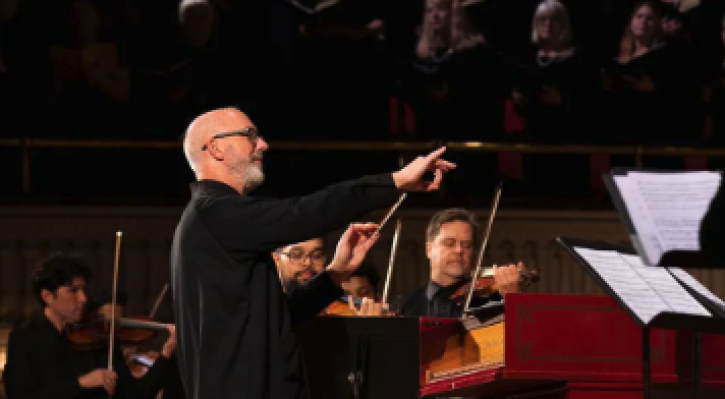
(664, 320)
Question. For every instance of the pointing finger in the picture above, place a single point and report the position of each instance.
(436, 154)
(443, 164)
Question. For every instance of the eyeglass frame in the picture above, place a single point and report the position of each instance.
(249, 132)
(302, 261)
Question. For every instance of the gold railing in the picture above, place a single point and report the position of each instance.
(26, 145)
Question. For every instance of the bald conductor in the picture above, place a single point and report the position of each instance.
(235, 325)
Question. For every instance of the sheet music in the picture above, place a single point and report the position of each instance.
(646, 291)
(666, 208)
(665, 285)
(686, 279)
(635, 293)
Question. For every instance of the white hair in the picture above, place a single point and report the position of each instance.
(555, 8)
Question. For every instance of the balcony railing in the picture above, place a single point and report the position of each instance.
(27, 145)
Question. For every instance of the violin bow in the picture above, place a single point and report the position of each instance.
(391, 211)
(158, 301)
(391, 263)
(494, 208)
(113, 301)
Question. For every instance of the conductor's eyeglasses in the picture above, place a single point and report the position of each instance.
(249, 132)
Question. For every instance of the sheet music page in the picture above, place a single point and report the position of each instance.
(651, 247)
(662, 283)
(625, 282)
(666, 208)
(685, 278)
(647, 291)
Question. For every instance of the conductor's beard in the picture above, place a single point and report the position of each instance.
(254, 177)
(250, 172)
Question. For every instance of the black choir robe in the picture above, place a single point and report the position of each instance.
(235, 324)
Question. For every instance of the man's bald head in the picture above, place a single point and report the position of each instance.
(228, 158)
(206, 125)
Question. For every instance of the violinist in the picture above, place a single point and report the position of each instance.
(43, 363)
(360, 298)
(451, 237)
(100, 305)
(299, 263)
(363, 282)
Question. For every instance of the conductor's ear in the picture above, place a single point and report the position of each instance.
(215, 151)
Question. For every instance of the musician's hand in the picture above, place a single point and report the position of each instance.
(170, 345)
(507, 278)
(352, 249)
(368, 307)
(409, 178)
(99, 378)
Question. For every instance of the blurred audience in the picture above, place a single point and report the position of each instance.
(554, 90)
(638, 82)
(331, 66)
(454, 79)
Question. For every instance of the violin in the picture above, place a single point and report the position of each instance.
(140, 363)
(485, 285)
(338, 308)
(94, 332)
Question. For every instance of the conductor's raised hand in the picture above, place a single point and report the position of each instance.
(410, 178)
(352, 248)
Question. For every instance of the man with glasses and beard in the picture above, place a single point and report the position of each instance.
(298, 263)
(235, 324)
